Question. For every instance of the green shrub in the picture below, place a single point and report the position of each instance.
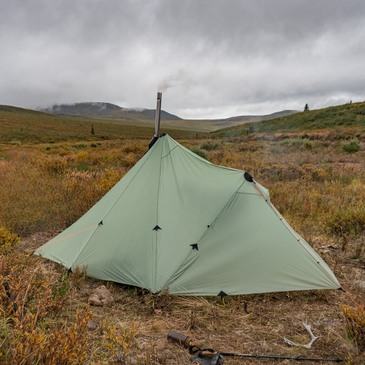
(199, 152)
(292, 141)
(351, 146)
(297, 142)
(209, 146)
(308, 144)
(83, 166)
(3, 155)
(80, 145)
(351, 218)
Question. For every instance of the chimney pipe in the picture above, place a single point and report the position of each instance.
(157, 120)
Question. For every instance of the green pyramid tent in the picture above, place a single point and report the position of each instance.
(176, 221)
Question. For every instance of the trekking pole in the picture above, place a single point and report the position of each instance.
(297, 358)
(195, 350)
(179, 339)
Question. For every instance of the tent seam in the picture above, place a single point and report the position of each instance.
(220, 212)
(204, 233)
(157, 216)
(169, 152)
(135, 175)
(245, 193)
(82, 250)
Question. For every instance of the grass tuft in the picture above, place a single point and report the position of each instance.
(351, 146)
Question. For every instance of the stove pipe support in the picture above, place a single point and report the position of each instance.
(157, 120)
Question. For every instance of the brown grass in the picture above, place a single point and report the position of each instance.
(318, 189)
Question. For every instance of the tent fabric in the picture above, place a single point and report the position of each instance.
(177, 222)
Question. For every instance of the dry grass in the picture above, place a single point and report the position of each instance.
(318, 189)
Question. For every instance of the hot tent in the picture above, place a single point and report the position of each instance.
(176, 221)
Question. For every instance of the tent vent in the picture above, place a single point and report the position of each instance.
(222, 294)
(195, 246)
(248, 177)
(157, 228)
(100, 223)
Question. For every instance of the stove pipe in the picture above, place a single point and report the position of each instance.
(157, 120)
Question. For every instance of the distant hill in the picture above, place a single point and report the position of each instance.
(350, 117)
(138, 116)
(15, 109)
(106, 110)
(251, 118)
(19, 125)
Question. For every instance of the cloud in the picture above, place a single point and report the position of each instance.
(211, 58)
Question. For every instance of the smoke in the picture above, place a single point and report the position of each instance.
(184, 80)
(180, 78)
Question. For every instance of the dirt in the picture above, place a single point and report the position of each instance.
(247, 324)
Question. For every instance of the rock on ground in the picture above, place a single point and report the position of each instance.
(101, 296)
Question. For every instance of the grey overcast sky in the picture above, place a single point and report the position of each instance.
(210, 58)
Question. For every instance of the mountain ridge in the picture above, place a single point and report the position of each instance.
(111, 111)
(106, 110)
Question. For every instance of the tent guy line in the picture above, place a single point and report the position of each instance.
(296, 236)
(49, 243)
(294, 233)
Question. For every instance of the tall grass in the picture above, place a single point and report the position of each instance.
(42, 191)
(319, 187)
(320, 191)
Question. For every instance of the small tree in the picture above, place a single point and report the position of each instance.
(92, 129)
(306, 108)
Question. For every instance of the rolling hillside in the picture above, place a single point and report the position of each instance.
(342, 120)
(23, 125)
(140, 116)
(18, 124)
(251, 118)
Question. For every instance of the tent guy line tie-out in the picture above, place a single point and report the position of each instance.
(49, 243)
